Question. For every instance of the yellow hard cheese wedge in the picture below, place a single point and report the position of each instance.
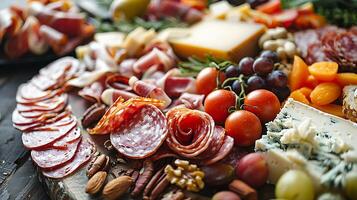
(221, 39)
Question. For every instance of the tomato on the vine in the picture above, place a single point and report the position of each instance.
(218, 103)
(263, 103)
(244, 127)
(206, 80)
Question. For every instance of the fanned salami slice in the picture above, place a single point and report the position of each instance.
(141, 135)
(53, 104)
(190, 131)
(53, 158)
(28, 93)
(65, 142)
(44, 82)
(47, 135)
(82, 156)
(63, 68)
(225, 149)
(28, 124)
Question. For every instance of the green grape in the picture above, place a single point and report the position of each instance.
(351, 185)
(295, 185)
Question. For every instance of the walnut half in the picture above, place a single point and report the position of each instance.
(186, 176)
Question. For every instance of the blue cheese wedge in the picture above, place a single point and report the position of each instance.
(304, 138)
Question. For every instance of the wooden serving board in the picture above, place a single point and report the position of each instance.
(73, 186)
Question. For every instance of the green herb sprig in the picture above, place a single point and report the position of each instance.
(194, 65)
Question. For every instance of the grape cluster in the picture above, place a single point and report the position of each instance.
(259, 73)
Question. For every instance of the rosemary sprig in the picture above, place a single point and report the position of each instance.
(194, 65)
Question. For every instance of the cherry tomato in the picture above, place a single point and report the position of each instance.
(244, 127)
(263, 103)
(206, 80)
(253, 169)
(217, 104)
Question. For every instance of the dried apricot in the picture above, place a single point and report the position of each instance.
(324, 71)
(297, 95)
(299, 74)
(311, 82)
(306, 91)
(325, 93)
(346, 79)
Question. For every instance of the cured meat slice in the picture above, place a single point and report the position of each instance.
(174, 84)
(53, 158)
(82, 156)
(44, 82)
(191, 101)
(92, 92)
(62, 69)
(141, 135)
(110, 95)
(225, 149)
(119, 111)
(47, 135)
(52, 104)
(190, 131)
(28, 124)
(147, 90)
(28, 93)
(64, 143)
(217, 142)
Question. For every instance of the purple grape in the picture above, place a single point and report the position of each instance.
(281, 92)
(237, 87)
(245, 66)
(262, 66)
(232, 71)
(277, 79)
(255, 82)
(271, 55)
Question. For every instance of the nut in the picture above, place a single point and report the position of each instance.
(99, 163)
(96, 182)
(117, 187)
(185, 176)
(290, 49)
(270, 45)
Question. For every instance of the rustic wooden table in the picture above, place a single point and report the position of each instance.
(18, 179)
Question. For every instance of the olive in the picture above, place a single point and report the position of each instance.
(218, 174)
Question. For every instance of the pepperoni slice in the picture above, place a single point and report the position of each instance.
(47, 135)
(82, 156)
(64, 143)
(225, 149)
(190, 131)
(52, 158)
(141, 135)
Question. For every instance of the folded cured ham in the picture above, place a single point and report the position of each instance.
(192, 134)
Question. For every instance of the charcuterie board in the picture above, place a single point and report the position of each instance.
(197, 107)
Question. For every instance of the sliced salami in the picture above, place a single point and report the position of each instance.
(190, 131)
(44, 82)
(225, 149)
(28, 93)
(64, 68)
(54, 104)
(82, 156)
(64, 143)
(28, 124)
(53, 158)
(45, 136)
(141, 135)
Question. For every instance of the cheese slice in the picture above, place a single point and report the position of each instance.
(334, 145)
(110, 39)
(220, 39)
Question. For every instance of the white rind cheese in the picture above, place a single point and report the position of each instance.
(304, 138)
